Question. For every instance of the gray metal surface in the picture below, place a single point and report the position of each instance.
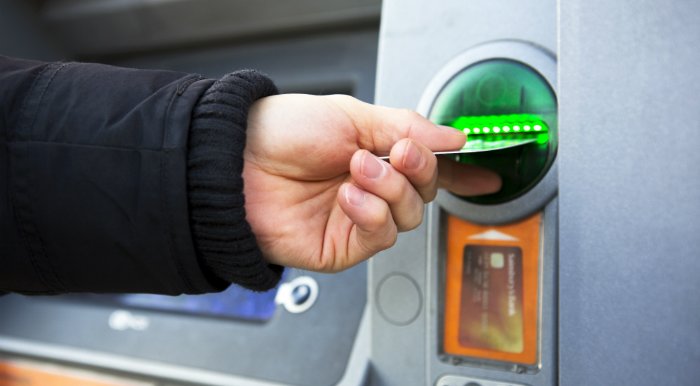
(319, 64)
(312, 348)
(163, 373)
(417, 40)
(629, 192)
(123, 26)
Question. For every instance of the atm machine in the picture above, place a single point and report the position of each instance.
(582, 270)
(478, 304)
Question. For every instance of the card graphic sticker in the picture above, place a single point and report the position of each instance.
(491, 298)
(491, 314)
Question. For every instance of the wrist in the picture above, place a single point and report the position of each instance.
(225, 243)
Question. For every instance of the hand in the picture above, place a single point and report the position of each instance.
(318, 198)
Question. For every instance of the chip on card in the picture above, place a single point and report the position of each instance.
(491, 310)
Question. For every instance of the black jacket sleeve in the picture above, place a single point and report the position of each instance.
(122, 180)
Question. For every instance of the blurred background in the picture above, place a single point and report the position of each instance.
(306, 46)
(237, 337)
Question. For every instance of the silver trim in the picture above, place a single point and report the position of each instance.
(537, 58)
(453, 380)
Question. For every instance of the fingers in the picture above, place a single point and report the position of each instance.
(400, 191)
(380, 127)
(374, 229)
(418, 164)
(466, 180)
(387, 198)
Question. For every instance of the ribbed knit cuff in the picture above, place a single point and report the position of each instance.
(224, 241)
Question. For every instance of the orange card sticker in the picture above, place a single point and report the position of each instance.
(491, 295)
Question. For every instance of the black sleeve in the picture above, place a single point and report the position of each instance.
(215, 164)
(94, 169)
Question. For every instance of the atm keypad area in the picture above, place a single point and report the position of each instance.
(486, 307)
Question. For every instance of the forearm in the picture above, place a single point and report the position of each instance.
(96, 162)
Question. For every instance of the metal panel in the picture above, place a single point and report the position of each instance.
(629, 192)
(417, 39)
(313, 348)
(118, 26)
(324, 63)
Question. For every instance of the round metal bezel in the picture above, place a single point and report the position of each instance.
(534, 199)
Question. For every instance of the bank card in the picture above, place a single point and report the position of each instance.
(480, 146)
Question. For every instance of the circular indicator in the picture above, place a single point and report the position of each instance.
(298, 295)
(502, 102)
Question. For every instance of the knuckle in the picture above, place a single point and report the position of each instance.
(411, 115)
(423, 181)
(333, 269)
(323, 264)
(412, 124)
(414, 218)
(382, 217)
(409, 118)
(429, 194)
(377, 218)
(398, 190)
(389, 240)
(341, 98)
(428, 185)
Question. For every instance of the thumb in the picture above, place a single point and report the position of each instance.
(379, 127)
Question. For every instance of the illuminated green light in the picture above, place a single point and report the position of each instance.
(519, 109)
(509, 125)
